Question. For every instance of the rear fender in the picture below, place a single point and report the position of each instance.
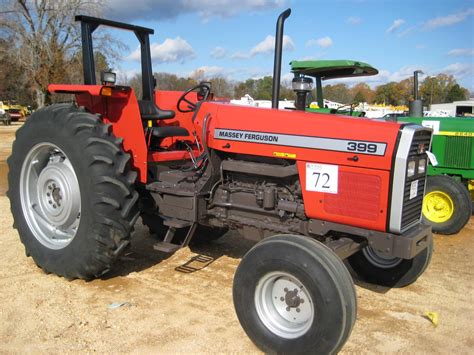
(121, 111)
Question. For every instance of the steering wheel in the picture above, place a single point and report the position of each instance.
(204, 90)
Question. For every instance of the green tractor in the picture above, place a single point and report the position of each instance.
(449, 193)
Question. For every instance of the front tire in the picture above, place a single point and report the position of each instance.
(373, 267)
(292, 294)
(447, 205)
(71, 191)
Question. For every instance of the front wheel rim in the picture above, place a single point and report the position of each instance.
(379, 260)
(284, 305)
(50, 196)
(438, 207)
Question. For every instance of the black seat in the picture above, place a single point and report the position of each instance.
(169, 131)
(149, 111)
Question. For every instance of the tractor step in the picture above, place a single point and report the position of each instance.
(166, 247)
(177, 223)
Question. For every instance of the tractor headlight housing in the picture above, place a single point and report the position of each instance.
(411, 168)
(302, 83)
(422, 166)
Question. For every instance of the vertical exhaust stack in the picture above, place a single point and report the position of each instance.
(278, 53)
(416, 106)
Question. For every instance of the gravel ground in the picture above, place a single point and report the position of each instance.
(183, 303)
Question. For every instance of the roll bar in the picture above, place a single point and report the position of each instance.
(89, 25)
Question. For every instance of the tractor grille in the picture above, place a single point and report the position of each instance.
(457, 152)
(411, 211)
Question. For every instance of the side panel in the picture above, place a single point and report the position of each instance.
(360, 199)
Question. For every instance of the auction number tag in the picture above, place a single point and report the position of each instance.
(322, 177)
(413, 189)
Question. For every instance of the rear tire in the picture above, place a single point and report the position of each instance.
(71, 191)
(294, 295)
(374, 268)
(447, 205)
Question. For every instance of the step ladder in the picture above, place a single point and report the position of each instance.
(166, 245)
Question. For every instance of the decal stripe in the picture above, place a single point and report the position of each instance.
(290, 140)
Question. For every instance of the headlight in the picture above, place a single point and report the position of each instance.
(422, 166)
(107, 77)
(411, 168)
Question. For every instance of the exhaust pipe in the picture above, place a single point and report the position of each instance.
(277, 61)
(416, 106)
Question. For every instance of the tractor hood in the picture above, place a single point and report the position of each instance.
(300, 135)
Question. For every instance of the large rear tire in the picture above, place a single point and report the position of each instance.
(294, 295)
(447, 205)
(71, 191)
(373, 267)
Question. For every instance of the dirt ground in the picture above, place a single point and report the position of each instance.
(183, 303)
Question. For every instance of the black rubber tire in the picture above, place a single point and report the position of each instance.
(401, 275)
(462, 201)
(109, 206)
(321, 272)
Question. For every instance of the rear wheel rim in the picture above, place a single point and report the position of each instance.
(284, 305)
(438, 207)
(50, 196)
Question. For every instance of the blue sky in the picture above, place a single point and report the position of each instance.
(230, 38)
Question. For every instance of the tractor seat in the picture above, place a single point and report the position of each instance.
(149, 111)
(169, 131)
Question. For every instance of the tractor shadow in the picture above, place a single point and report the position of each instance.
(141, 255)
(366, 285)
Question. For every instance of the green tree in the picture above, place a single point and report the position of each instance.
(362, 93)
(390, 94)
(338, 93)
(434, 89)
(457, 93)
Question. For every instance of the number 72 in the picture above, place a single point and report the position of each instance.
(323, 176)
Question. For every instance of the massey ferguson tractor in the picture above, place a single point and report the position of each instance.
(312, 189)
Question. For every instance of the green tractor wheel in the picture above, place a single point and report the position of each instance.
(447, 204)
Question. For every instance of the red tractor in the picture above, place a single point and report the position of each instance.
(312, 189)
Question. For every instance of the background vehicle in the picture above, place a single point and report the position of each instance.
(4, 116)
(80, 176)
(447, 205)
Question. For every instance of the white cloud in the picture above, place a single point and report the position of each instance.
(324, 42)
(459, 70)
(171, 50)
(458, 52)
(406, 32)
(218, 53)
(354, 20)
(240, 55)
(420, 46)
(395, 25)
(170, 9)
(124, 75)
(268, 45)
(448, 20)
